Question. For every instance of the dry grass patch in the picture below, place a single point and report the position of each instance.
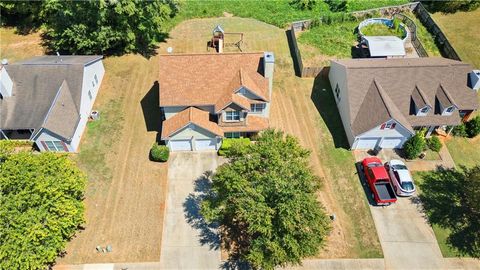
(125, 196)
(460, 30)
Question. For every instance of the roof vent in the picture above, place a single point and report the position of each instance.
(474, 80)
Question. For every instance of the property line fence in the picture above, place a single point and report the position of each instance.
(392, 11)
(441, 40)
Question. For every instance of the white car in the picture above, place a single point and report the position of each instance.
(402, 180)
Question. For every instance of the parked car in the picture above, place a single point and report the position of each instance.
(378, 181)
(401, 178)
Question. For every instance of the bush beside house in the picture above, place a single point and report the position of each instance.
(473, 127)
(434, 144)
(159, 153)
(228, 143)
(414, 145)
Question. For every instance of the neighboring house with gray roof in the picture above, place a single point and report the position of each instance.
(382, 102)
(48, 99)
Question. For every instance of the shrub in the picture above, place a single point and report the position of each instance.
(414, 146)
(473, 127)
(227, 145)
(159, 152)
(434, 143)
(460, 130)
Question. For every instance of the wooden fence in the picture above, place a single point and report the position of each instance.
(416, 7)
(441, 40)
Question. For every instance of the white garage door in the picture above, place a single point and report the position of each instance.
(205, 144)
(392, 142)
(367, 143)
(180, 145)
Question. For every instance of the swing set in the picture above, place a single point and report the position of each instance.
(219, 40)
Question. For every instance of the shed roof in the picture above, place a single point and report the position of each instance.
(385, 46)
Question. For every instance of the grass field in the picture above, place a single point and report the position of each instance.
(277, 12)
(381, 30)
(458, 29)
(126, 192)
(354, 233)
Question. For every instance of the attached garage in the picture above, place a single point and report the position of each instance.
(367, 143)
(389, 142)
(206, 144)
(180, 145)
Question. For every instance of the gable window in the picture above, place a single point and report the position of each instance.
(232, 116)
(55, 146)
(234, 135)
(388, 126)
(449, 109)
(257, 107)
(337, 92)
(90, 95)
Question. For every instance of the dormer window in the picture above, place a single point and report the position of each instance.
(424, 110)
(232, 116)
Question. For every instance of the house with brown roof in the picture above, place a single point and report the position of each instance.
(48, 99)
(383, 102)
(207, 97)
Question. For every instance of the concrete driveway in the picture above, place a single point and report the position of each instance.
(188, 242)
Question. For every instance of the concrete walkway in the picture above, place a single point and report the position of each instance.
(188, 242)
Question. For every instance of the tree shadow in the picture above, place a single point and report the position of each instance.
(152, 114)
(191, 207)
(322, 97)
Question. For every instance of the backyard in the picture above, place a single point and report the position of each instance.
(316, 126)
(125, 192)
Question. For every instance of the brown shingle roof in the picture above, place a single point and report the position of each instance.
(189, 115)
(444, 97)
(420, 98)
(254, 124)
(398, 78)
(203, 79)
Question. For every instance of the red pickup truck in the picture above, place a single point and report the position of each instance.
(378, 181)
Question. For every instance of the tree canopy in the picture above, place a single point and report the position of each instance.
(451, 6)
(452, 200)
(265, 200)
(40, 208)
(96, 27)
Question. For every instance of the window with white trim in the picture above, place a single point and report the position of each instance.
(232, 135)
(232, 116)
(257, 107)
(55, 146)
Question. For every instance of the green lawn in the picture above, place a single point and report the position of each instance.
(464, 151)
(277, 12)
(458, 29)
(424, 36)
(335, 39)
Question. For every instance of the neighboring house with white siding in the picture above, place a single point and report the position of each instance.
(206, 97)
(49, 99)
(382, 102)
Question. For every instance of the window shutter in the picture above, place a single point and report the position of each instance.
(44, 145)
(383, 126)
(65, 148)
(393, 125)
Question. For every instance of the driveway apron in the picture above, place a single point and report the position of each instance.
(188, 242)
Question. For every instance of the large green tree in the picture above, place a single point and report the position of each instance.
(452, 200)
(40, 208)
(451, 6)
(106, 26)
(265, 200)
